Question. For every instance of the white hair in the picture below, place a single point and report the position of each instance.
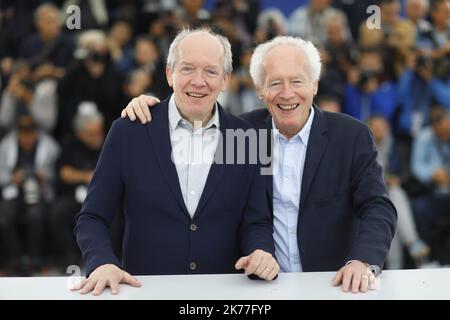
(227, 56)
(87, 112)
(91, 38)
(312, 55)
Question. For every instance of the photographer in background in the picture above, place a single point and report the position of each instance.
(242, 87)
(395, 38)
(163, 30)
(416, 11)
(433, 76)
(367, 92)
(92, 77)
(26, 94)
(145, 57)
(49, 50)
(27, 159)
(76, 166)
(243, 14)
(407, 235)
(271, 23)
(425, 82)
(308, 21)
(437, 40)
(338, 55)
(431, 165)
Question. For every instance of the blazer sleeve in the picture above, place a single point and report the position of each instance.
(256, 228)
(103, 197)
(376, 212)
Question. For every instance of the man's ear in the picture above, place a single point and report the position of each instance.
(226, 82)
(315, 87)
(260, 93)
(169, 76)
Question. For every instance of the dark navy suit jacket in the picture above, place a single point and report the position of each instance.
(135, 170)
(345, 213)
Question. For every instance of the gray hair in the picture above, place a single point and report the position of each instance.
(227, 56)
(87, 113)
(311, 52)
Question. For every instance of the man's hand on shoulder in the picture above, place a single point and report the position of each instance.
(107, 275)
(139, 108)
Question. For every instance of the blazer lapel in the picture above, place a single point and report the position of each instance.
(158, 131)
(317, 144)
(269, 143)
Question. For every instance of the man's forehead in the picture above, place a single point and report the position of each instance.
(283, 48)
(284, 54)
(200, 46)
(201, 37)
(277, 64)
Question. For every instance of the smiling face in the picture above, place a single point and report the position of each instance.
(198, 76)
(287, 88)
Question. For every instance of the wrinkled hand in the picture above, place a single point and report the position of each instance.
(260, 263)
(139, 107)
(107, 275)
(355, 276)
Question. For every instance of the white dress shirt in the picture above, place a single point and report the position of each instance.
(289, 157)
(192, 152)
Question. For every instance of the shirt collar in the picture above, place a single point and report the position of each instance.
(303, 134)
(175, 117)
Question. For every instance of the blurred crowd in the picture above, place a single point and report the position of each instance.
(60, 90)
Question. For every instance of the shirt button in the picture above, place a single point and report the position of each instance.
(192, 192)
(194, 227)
(192, 266)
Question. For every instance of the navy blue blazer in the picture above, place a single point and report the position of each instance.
(344, 213)
(135, 170)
